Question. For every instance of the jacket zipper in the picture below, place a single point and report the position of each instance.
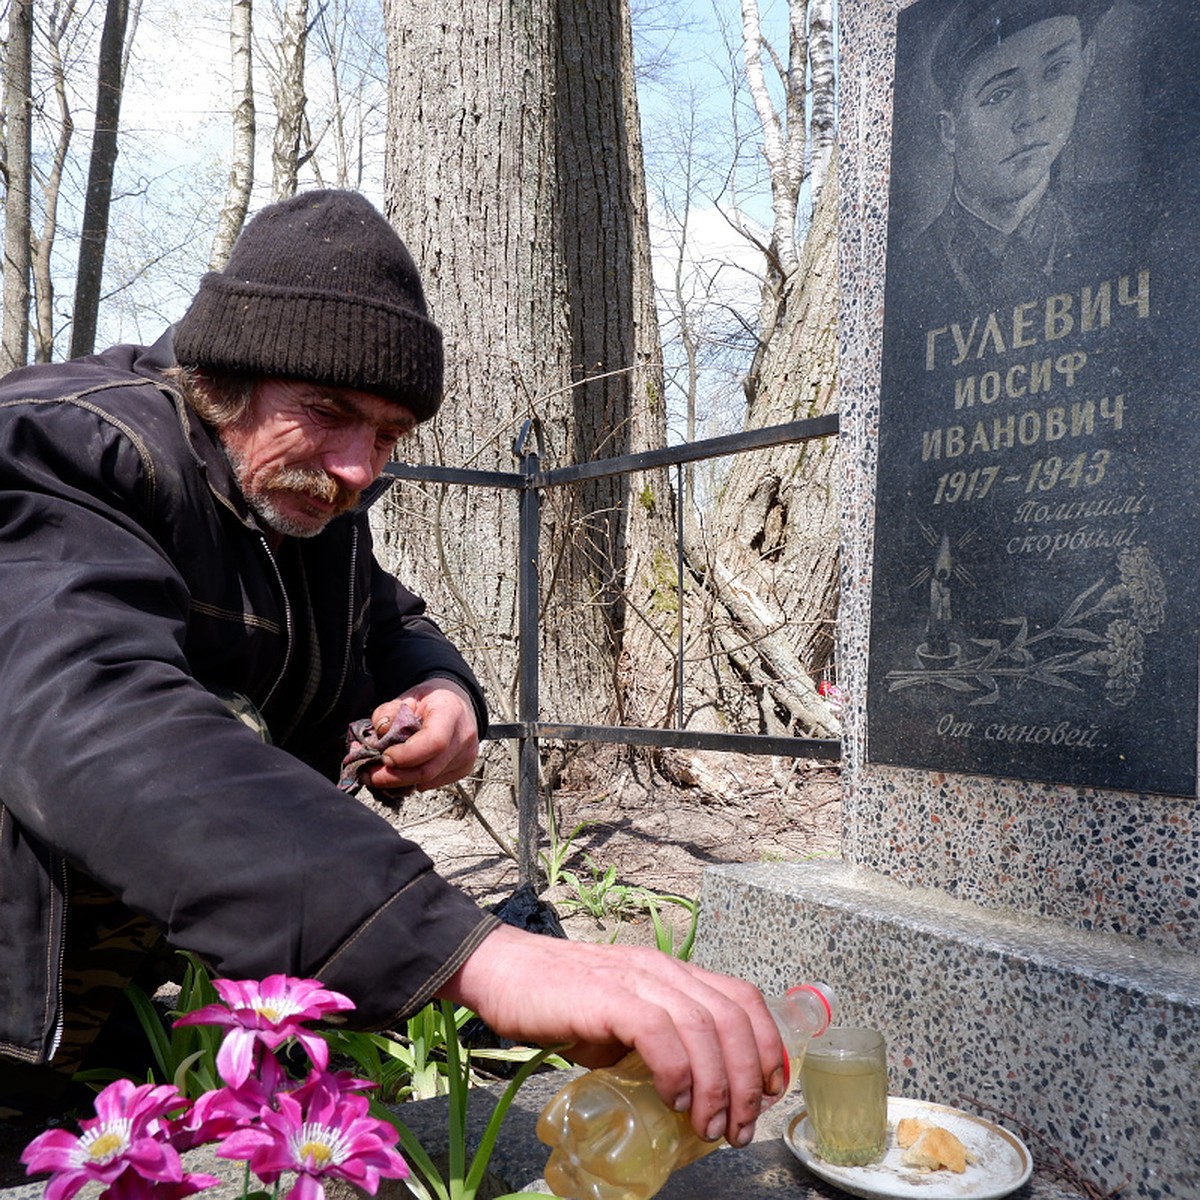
(54, 985)
(289, 622)
(61, 1016)
(289, 629)
(350, 610)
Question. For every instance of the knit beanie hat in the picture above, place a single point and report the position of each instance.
(319, 287)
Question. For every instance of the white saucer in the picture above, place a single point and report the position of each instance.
(1002, 1161)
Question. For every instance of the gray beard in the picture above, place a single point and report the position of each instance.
(263, 504)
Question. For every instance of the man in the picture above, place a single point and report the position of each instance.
(182, 535)
(1011, 74)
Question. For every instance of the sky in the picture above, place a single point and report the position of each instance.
(177, 136)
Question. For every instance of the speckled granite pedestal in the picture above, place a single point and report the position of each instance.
(1087, 1045)
(1030, 949)
(765, 1170)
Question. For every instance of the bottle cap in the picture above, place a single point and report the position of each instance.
(827, 997)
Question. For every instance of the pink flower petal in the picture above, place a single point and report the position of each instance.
(155, 1160)
(316, 1047)
(64, 1186)
(235, 1058)
(49, 1151)
(306, 1188)
(210, 1014)
(130, 1187)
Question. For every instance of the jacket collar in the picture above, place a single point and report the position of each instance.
(207, 451)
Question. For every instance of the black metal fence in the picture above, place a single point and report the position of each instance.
(529, 481)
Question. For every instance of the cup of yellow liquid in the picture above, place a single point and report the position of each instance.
(845, 1083)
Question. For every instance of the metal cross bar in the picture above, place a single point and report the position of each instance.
(528, 729)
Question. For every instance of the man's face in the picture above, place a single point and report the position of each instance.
(1015, 111)
(303, 453)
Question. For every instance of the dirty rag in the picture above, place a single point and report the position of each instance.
(365, 746)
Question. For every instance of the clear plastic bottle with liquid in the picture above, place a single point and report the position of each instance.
(613, 1138)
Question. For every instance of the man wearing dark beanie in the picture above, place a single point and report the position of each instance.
(191, 618)
(320, 288)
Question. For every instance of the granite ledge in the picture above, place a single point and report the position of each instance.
(765, 1170)
(1114, 958)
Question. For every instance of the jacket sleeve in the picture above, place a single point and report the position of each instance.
(113, 756)
(406, 647)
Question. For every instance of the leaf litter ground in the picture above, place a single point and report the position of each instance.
(640, 825)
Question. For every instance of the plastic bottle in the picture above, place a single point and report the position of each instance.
(613, 1138)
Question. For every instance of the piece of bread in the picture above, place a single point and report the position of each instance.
(934, 1149)
(909, 1129)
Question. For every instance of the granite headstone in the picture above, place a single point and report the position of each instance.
(1033, 611)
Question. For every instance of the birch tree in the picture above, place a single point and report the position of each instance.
(240, 182)
(50, 179)
(783, 132)
(785, 138)
(288, 91)
(822, 91)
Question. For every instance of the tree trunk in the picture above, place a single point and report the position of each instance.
(18, 75)
(784, 136)
(766, 559)
(618, 406)
(822, 69)
(103, 161)
(513, 179)
(241, 167)
(287, 87)
(51, 179)
(774, 535)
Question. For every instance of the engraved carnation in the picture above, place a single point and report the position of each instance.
(1124, 652)
(1144, 583)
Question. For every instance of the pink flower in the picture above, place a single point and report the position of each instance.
(128, 1134)
(133, 1187)
(343, 1081)
(266, 1013)
(218, 1113)
(320, 1130)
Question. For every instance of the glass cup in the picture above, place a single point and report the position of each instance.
(845, 1084)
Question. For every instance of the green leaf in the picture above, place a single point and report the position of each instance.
(457, 1147)
(488, 1142)
(152, 1027)
(414, 1153)
(179, 1079)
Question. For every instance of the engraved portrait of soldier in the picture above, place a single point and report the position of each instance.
(1031, 111)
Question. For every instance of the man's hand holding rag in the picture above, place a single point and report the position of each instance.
(425, 739)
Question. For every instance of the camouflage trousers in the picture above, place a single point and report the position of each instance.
(107, 948)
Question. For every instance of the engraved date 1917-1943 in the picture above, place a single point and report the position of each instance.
(1042, 475)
